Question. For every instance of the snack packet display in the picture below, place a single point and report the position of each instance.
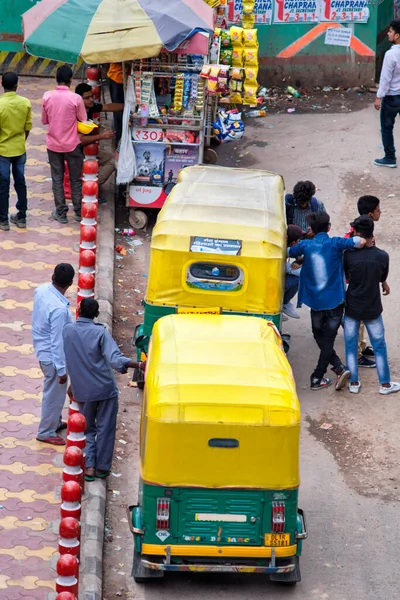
(236, 73)
(237, 57)
(223, 81)
(248, 6)
(250, 38)
(236, 34)
(228, 126)
(248, 21)
(199, 103)
(236, 85)
(212, 81)
(236, 98)
(205, 71)
(225, 57)
(250, 94)
(251, 75)
(178, 96)
(250, 57)
(225, 39)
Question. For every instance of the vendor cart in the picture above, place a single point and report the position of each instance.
(171, 127)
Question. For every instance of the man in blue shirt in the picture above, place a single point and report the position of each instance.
(51, 311)
(322, 288)
(91, 355)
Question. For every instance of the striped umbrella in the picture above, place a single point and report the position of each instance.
(102, 31)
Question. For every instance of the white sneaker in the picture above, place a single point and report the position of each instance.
(290, 311)
(394, 387)
(354, 388)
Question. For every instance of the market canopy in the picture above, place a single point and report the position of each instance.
(102, 31)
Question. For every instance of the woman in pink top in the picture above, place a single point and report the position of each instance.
(61, 111)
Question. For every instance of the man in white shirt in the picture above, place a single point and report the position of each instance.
(388, 96)
(51, 312)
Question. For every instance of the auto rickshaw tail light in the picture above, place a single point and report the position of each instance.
(278, 517)
(162, 518)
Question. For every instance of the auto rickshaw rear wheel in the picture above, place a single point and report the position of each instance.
(138, 219)
(142, 574)
(290, 578)
(210, 157)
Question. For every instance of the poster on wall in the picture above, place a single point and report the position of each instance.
(296, 11)
(177, 158)
(262, 11)
(344, 11)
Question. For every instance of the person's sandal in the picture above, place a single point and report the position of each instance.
(101, 474)
(89, 474)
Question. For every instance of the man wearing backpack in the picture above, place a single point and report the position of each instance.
(302, 203)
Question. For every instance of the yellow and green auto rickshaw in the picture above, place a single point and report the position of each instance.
(219, 246)
(219, 452)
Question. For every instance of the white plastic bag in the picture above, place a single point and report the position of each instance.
(126, 168)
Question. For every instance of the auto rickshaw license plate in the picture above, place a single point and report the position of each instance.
(277, 539)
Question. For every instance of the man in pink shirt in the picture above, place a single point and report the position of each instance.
(61, 111)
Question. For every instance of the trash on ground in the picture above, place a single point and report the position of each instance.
(327, 88)
(326, 426)
(120, 249)
(123, 319)
(291, 110)
(293, 92)
(116, 492)
(122, 442)
(256, 113)
(137, 243)
(128, 232)
(116, 474)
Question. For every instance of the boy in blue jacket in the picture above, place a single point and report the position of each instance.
(323, 288)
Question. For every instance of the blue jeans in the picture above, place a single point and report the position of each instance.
(376, 332)
(390, 108)
(17, 165)
(291, 287)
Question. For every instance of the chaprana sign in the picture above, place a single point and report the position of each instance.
(296, 11)
(344, 11)
(262, 11)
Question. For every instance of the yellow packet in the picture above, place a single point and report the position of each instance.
(251, 75)
(250, 38)
(251, 57)
(236, 98)
(236, 73)
(237, 57)
(248, 21)
(250, 94)
(236, 37)
(248, 6)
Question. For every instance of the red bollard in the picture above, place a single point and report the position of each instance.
(66, 596)
(70, 533)
(77, 427)
(73, 461)
(90, 170)
(90, 191)
(67, 569)
(71, 494)
(91, 151)
(87, 260)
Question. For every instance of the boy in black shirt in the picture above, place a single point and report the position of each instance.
(365, 270)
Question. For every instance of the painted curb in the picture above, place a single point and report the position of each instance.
(94, 501)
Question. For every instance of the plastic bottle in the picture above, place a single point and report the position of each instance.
(256, 113)
(293, 91)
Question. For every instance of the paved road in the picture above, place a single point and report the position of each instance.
(29, 471)
(350, 473)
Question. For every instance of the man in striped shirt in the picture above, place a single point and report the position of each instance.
(302, 203)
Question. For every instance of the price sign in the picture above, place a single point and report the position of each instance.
(148, 135)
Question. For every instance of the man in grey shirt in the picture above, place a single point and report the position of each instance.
(388, 96)
(91, 355)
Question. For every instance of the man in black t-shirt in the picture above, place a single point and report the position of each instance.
(105, 155)
(366, 270)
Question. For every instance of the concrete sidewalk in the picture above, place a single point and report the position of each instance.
(30, 472)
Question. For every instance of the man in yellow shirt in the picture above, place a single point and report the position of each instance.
(15, 125)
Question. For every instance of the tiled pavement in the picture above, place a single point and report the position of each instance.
(30, 471)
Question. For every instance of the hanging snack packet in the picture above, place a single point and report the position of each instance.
(225, 39)
(250, 94)
(178, 96)
(223, 81)
(212, 82)
(236, 34)
(205, 71)
(248, 21)
(225, 57)
(251, 57)
(236, 98)
(237, 57)
(236, 73)
(251, 75)
(236, 86)
(250, 38)
(199, 104)
(248, 6)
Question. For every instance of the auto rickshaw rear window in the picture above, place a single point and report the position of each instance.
(214, 271)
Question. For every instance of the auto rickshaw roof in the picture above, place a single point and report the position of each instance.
(219, 369)
(228, 203)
